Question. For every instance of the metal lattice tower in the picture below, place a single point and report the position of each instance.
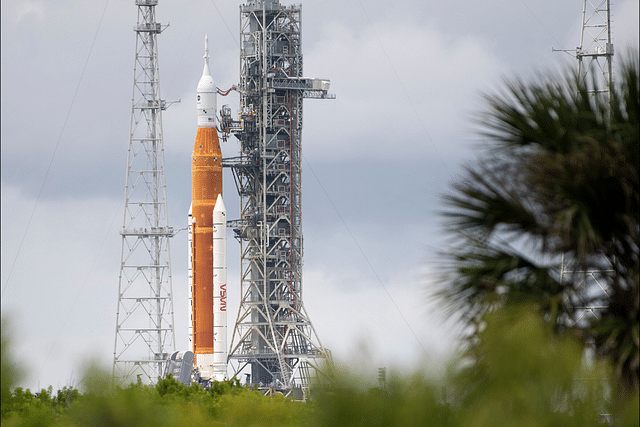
(145, 326)
(595, 56)
(595, 53)
(273, 336)
(590, 280)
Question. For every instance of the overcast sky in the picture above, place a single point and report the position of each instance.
(408, 76)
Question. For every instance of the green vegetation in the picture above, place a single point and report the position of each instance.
(526, 376)
(563, 179)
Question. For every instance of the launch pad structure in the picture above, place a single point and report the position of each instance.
(274, 345)
(273, 342)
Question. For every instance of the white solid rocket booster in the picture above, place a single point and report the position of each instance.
(219, 290)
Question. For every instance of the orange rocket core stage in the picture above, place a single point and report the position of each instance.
(206, 175)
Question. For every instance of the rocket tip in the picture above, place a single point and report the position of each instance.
(206, 47)
(219, 204)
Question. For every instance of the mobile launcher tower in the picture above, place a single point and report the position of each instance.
(273, 343)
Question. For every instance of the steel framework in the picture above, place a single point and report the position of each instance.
(592, 281)
(594, 55)
(273, 336)
(595, 52)
(145, 333)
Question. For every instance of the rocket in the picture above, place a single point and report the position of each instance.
(206, 174)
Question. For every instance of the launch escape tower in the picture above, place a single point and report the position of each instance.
(145, 325)
(273, 336)
(595, 57)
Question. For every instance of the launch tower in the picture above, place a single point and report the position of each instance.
(145, 326)
(273, 340)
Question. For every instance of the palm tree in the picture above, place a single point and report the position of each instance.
(560, 177)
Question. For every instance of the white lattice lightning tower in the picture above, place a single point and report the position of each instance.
(595, 57)
(595, 53)
(145, 326)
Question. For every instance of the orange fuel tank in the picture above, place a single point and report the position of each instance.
(206, 172)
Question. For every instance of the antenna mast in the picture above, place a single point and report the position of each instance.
(145, 334)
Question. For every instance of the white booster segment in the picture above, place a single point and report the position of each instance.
(219, 290)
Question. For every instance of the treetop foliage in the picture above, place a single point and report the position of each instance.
(551, 215)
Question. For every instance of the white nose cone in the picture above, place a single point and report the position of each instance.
(206, 99)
